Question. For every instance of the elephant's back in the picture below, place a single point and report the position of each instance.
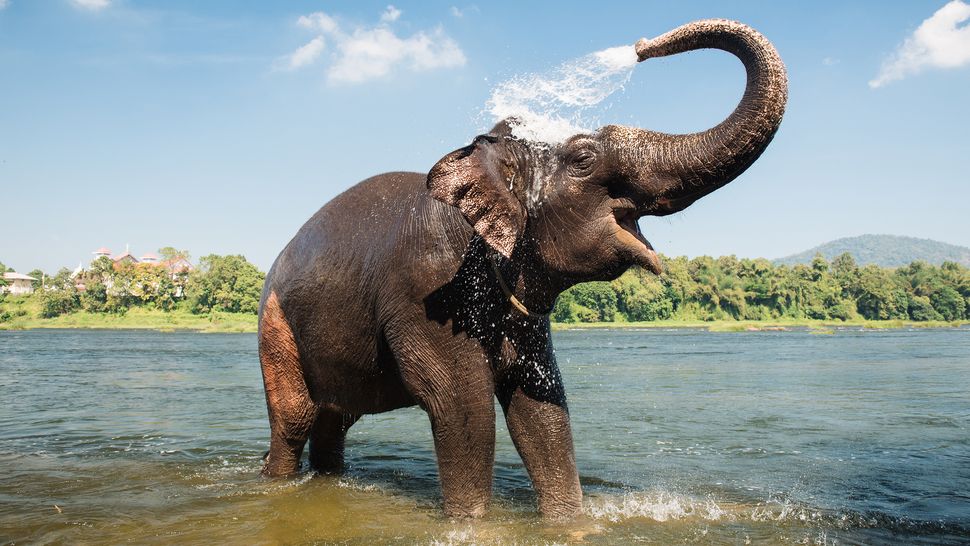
(335, 250)
(342, 233)
(369, 233)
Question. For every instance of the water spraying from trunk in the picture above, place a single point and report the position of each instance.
(551, 106)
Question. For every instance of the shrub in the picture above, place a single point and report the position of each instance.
(58, 302)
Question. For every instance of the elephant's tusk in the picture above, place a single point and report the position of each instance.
(519, 306)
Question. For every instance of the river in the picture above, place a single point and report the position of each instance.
(858, 436)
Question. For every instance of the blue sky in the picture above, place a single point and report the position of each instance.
(221, 126)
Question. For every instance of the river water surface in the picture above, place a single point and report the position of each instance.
(681, 436)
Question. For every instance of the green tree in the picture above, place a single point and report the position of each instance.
(102, 268)
(679, 286)
(760, 284)
(640, 296)
(121, 287)
(587, 302)
(60, 280)
(565, 308)
(152, 285)
(168, 253)
(949, 303)
(39, 279)
(4, 316)
(225, 283)
(705, 294)
(879, 297)
(846, 274)
(94, 299)
(920, 308)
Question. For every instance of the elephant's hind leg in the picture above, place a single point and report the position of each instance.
(291, 410)
(327, 440)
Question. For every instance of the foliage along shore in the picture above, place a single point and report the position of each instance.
(718, 294)
(221, 322)
(221, 295)
(140, 319)
(816, 326)
(25, 316)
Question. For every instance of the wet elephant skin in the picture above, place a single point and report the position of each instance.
(392, 295)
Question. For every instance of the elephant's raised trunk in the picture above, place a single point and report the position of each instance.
(676, 170)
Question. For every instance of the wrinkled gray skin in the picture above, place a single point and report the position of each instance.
(387, 298)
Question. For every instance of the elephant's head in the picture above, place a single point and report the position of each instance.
(573, 207)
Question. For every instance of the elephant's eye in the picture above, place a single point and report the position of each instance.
(581, 163)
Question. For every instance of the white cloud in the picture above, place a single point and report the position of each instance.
(366, 53)
(306, 53)
(461, 12)
(4, 3)
(372, 53)
(939, 42)
(318, 21)
(93, 5)
(390, 15)
(830, 61)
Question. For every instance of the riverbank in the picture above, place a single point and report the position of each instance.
(820, 326)
(216, 322)
(137, 319)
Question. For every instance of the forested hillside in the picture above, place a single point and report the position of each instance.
(885, 251)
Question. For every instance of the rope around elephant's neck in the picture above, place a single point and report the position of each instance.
(519, 306)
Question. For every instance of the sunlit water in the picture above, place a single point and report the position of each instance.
(681, 436)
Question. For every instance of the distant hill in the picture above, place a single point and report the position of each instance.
(885, 251)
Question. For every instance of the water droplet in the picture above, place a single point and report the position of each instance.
(551, 106)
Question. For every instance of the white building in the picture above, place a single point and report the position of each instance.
(18, 283)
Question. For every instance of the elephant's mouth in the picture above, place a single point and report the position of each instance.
(630, 236)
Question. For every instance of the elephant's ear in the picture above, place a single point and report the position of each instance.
(477, 180)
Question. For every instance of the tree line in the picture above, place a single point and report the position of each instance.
(219, 283)
(698, 289)
(728, 288)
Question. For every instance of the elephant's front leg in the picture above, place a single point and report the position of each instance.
(538, 421)
(463, 425)
(451, 378)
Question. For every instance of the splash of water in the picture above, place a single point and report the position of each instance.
(658, 506)
(551, 106)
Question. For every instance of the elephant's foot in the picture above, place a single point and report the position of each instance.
(326, 463)
(465, 508)
(283, 459)
(561, 509)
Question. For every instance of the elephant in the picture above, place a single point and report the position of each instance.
(435, 289)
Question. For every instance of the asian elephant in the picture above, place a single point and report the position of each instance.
(435, 289)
